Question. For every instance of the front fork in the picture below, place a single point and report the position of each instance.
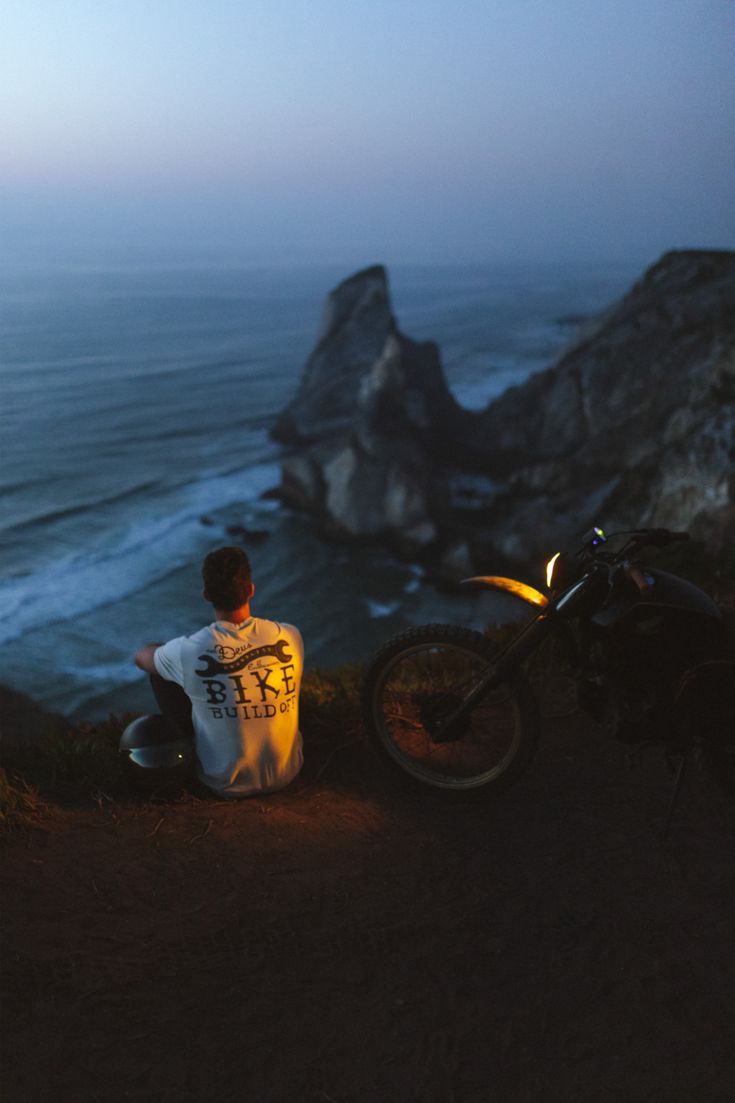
(501, 670)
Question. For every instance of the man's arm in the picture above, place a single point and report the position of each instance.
(144, 657)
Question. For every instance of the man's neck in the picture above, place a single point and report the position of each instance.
(234, 616)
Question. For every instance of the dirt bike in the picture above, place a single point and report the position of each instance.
(649, 655)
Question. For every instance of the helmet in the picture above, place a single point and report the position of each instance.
(154, 754)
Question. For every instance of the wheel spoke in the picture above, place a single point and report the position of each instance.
(425, 684)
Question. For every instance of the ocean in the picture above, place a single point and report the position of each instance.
(136, 405)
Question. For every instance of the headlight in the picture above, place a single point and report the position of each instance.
(550, 570)
(562, 571)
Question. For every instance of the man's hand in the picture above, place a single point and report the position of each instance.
(144, 657)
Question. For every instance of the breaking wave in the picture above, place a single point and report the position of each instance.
(146, 551)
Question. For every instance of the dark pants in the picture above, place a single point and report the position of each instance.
(174, 705)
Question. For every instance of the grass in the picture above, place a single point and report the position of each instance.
(20, 803)
(83, 765)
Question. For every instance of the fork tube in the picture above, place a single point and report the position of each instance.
(510, 658)
(521, 646)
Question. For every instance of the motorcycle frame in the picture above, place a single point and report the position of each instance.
(564, 605)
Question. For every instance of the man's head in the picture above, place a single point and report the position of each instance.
(227, 581)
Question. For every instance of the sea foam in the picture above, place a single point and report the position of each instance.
(144, 552)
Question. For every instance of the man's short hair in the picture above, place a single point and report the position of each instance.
(227, 578)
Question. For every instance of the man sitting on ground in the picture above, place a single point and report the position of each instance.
(233, 686)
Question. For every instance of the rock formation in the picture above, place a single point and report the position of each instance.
(24, 723)
(373, 418)
(634, 425)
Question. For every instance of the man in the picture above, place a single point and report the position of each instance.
(233, 686)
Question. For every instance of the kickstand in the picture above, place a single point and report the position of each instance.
(675, 793)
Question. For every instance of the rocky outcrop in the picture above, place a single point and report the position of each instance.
(24, 723)
(634, 425)
(373, 420)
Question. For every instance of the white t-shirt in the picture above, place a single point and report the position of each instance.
(243, 681)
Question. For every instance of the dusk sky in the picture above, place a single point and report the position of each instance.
(392, 130)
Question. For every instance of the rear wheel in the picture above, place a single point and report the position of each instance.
(417, 681)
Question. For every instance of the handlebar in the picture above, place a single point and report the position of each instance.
(659, 538)
(638, 539)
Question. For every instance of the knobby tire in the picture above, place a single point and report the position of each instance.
(425, 673)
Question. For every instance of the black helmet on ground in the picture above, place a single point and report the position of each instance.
(154, 755)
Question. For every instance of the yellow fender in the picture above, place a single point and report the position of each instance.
(509, 586)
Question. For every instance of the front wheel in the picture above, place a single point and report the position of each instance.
(417, 681)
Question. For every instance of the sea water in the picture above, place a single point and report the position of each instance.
(137, 400)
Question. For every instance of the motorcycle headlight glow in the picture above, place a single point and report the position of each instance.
(550, 569)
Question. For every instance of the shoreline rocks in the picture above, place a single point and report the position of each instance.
(371, 424)
(23, 722)
(633, 426)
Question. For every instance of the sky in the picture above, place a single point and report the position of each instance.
(409, 130)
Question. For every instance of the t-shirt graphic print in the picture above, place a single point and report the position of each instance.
(243, 681)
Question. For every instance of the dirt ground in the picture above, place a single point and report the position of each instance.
(351, 940)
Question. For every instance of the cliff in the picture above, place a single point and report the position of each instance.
(634, 425)
(372, 420)
(25, 723)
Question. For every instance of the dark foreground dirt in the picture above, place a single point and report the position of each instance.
(350, 940)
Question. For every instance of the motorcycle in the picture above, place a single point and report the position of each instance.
(648, 654)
